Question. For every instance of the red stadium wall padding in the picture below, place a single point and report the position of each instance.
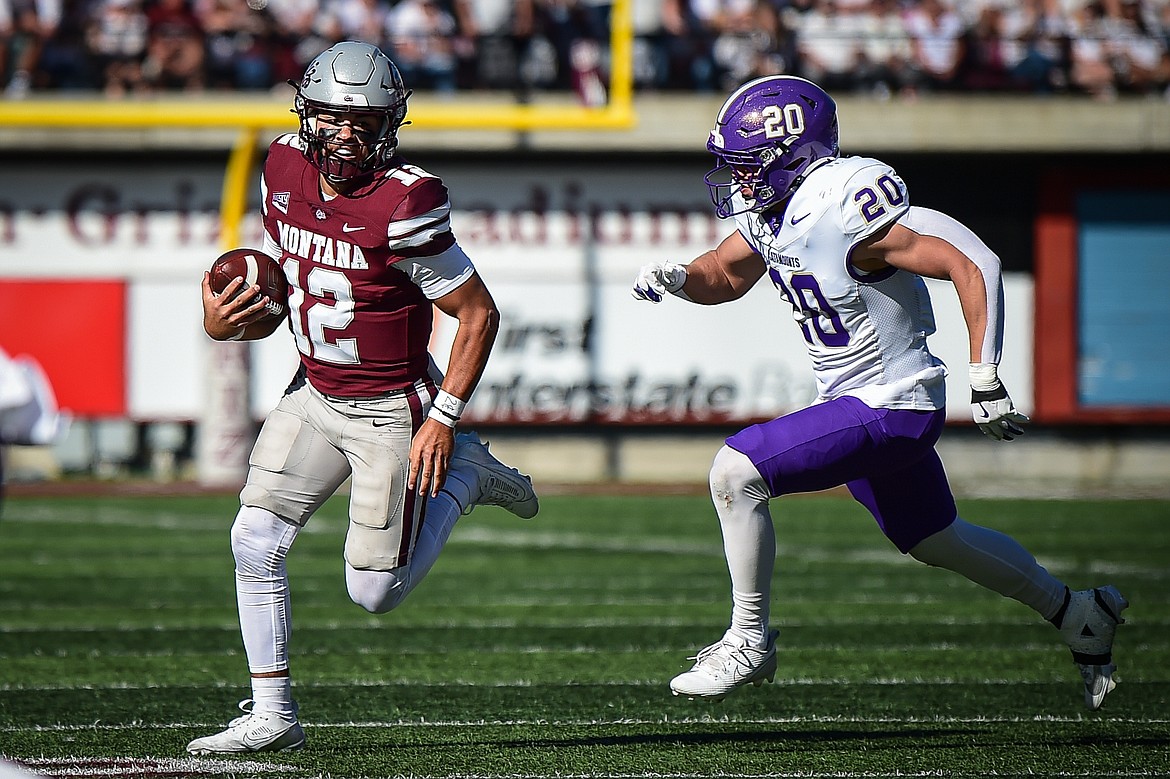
(1056, 350)
(76, 330)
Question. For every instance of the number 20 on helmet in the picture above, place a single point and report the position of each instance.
(766, 136)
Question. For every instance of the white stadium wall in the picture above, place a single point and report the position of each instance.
(558, 246)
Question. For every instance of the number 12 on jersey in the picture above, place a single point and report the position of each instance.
(309, 329)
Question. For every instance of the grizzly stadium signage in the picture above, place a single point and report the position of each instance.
(125, 242)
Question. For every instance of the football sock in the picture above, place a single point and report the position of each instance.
(748, 619)
(443, 511)
(461, 486)
(273, 693)
(995, 561)
(749, 542)
(1057, 619)
(260, 543)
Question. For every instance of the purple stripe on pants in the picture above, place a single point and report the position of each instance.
(885, 456)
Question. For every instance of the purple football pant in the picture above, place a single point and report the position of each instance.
(885, 456)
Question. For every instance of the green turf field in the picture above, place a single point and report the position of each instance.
(544, 648)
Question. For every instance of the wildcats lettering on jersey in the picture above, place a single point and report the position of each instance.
(320, 248)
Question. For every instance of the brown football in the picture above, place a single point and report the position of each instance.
(254, 267)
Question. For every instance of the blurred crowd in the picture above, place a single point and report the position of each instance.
(879, 47)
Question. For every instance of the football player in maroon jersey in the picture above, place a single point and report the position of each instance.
(365, 240)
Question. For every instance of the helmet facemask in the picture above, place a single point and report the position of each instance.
(377, 146)
(347, 81)
(758, 172)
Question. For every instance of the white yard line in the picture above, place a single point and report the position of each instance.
(525, 683)
(147, 767)
(620, 722)
(485, 534)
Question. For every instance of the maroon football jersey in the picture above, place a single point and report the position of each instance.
(361, 325)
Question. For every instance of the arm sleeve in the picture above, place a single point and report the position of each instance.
(441, 273)
(925, 221)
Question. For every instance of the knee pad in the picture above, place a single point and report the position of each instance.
(734, 478)
(260, 541)
(377, 591)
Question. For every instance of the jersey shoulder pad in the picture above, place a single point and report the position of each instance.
(285, 150)
(422, 195)
(286, 141)
(421, 220)
(872, 196)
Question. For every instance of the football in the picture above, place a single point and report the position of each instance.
(254, 267)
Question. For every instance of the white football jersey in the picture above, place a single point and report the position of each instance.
(865, 333)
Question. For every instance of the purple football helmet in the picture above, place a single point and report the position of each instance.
(766, 136)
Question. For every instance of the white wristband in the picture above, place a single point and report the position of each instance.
(238, 335)
(984, 376)
(446, 408)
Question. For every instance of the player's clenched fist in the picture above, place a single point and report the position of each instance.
(658, 278)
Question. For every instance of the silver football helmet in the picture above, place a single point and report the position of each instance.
(350, 77)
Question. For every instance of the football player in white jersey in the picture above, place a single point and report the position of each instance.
(841, 243)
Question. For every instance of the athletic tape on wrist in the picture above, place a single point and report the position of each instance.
(984, 376)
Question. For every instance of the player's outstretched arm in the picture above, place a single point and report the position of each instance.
(720, 275)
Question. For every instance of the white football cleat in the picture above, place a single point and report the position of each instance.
(499, 485)
(255, 731)
(724, 666)
(1088, 626)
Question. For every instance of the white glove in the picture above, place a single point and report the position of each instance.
(658, 278)
(992, 407)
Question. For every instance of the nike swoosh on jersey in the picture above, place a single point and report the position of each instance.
(345, 228)
(798, 219)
